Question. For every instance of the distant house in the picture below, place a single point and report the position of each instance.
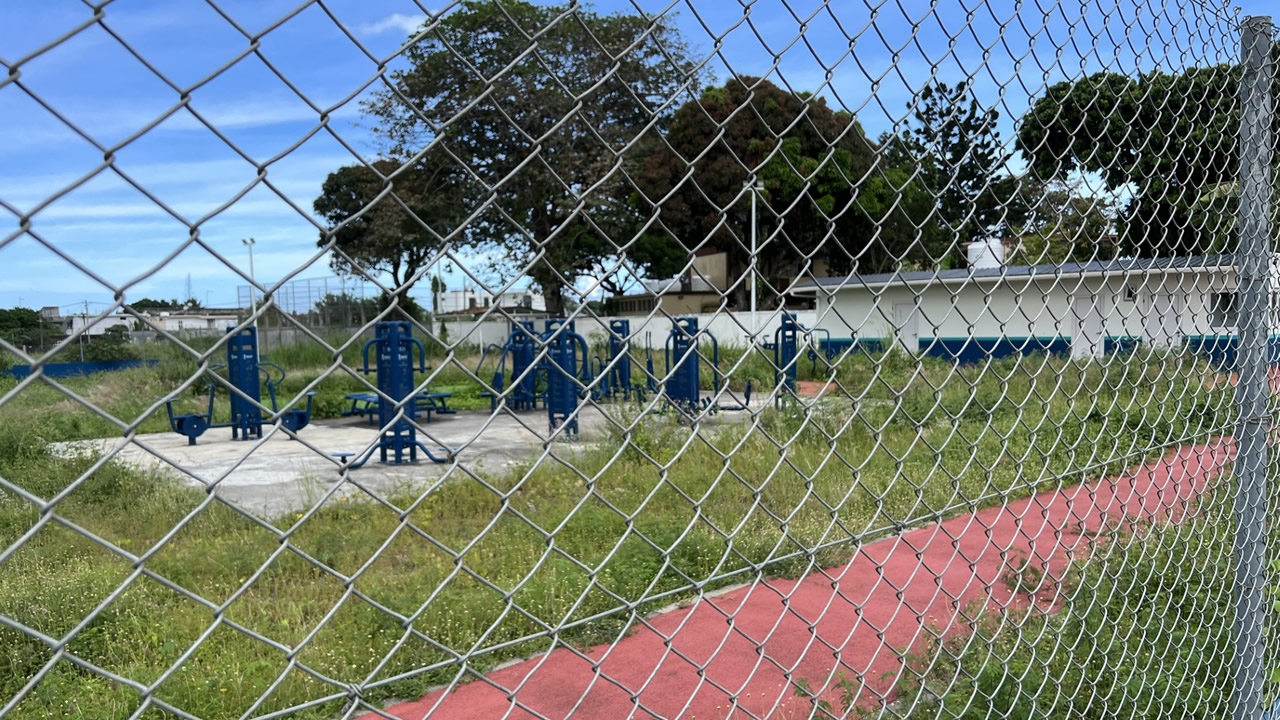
(683, 296)
(76, 322)
(697, 290)
(991, 310)
(192, 320)
(474, 302)
(208, 319)
(702, 288)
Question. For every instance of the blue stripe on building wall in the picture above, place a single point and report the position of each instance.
(965, 350)
(1219, 350)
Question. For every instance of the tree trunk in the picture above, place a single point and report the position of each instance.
(554, 296)
(552, 291)
(740, 295)
(544, 271)
(406, 308)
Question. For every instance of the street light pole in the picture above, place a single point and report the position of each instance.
(756, 187)
(86, 329)
(253, 287)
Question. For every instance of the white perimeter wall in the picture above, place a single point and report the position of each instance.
(730, 329)
(1021, 307)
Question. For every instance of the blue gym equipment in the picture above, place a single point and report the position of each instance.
(651, 379)
(614, 373)
(567, 372)
(398, 404)
(786, 345)
(682, 386)
(828, 349)
(521, 347)
(247, 374)
(787, 341)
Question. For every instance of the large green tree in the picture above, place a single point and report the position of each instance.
(113, 345)
(1065, 225)
(809, 157)
(1166, 139)
(963, 164)
(153, 304)
(540, 108)
(344, 309)
(391, 217)
(26, 328)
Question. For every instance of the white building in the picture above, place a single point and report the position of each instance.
(172, 321)
(991, 309)
(462, 301)
(199, 321)
(75, 322)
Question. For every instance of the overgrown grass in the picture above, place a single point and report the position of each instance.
(474, 564)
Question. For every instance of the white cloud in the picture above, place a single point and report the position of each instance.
(207, 182)
(406, 24)
(251, 114)
(110, 124)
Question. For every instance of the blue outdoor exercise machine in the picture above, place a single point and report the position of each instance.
(521, 348)
(787, 341)
(614, 372)
(559, 379)
(651, 381)
(567, 372)
(248, 375)
(683, 387)
(393, 345)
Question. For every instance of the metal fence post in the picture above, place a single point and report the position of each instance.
(1253, 263)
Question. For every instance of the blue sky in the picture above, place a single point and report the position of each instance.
(875, 61)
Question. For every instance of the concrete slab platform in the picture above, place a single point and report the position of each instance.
(280, 475)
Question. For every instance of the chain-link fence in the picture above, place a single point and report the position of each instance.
(323, 302)
(816, 359)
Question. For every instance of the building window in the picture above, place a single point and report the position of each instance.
(1130, 293)
(1222, 309)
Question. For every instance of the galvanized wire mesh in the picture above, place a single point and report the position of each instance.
(943, 328)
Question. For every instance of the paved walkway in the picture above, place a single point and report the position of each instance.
(726, 657)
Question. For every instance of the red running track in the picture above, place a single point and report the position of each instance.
(726, 657)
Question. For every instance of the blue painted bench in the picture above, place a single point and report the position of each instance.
(366, 404)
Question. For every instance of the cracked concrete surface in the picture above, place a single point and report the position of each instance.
(279, 475)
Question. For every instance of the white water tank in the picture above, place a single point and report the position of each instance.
(984, 254)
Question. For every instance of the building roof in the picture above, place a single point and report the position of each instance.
(1048, 270)
(674, 286)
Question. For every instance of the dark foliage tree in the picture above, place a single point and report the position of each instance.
(26, 328)
(142, 304)
(391, 217)
(899, 215)
(963, 165)
(113, 345)
(1065, 225)
(544, 137)
(1167, 139)
(809, 157)
(345, 309)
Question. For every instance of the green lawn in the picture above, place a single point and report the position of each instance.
(901, 442)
